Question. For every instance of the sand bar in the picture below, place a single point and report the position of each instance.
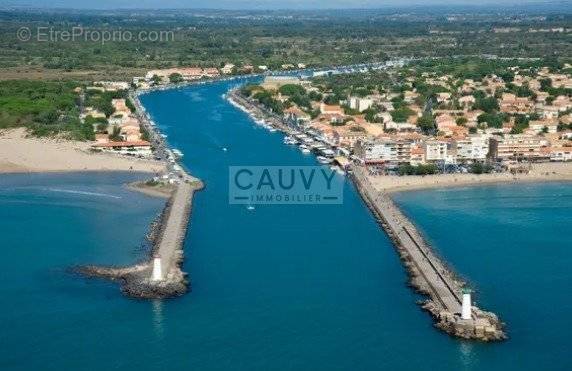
(22, 154)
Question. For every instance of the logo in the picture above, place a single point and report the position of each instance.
(284, 185)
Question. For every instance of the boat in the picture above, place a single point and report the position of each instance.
(289, 140)
(250, 207)
(338, 170)
(323, 160)
(304, 148)
(178, 154)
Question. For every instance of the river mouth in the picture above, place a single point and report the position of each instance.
(281, 286)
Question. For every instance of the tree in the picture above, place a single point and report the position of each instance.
(488, 104)
(115, 135)
(520, 123)
(427, 123)
(371, 116)
(401, 114)
(479, 168)
(292, 89)
(156, 79)
(175, 78)
(493, 120)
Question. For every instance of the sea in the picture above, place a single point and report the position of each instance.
(273, 287)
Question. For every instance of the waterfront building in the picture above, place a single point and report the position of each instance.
(561, 154)
(417, 155)
(384, 151)
(516, 147)
(474, 147)
(349, 138)
(435, 150)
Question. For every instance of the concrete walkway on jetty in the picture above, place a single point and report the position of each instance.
(428, 273)
(160, 276)
(170, 240)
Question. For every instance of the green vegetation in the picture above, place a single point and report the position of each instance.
(479, 168)
(487, 104)
(266, 99)
(101, 101)
(46, 108)
(292, 89)
(115, 134)
(493, 120)
(175, 78)
(520, 123)
(407, 169)
(401, 114)
(427, 123)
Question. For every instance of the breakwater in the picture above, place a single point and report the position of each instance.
(428, 274)
(160, 275)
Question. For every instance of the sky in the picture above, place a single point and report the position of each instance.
(255, 4)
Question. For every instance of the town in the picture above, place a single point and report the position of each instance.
(411, 120)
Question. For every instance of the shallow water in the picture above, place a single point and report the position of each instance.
(278, 287)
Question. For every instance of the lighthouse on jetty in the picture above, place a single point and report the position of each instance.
(157, 274)
(466, 306)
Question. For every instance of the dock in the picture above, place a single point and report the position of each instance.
(428, 274)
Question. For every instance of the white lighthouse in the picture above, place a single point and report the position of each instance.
(466, 308)
(157, 271)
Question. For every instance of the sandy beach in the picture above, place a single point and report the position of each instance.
(542, 172)
(21, 154)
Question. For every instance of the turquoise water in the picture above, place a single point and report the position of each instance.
(279, 287)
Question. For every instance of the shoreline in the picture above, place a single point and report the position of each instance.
(162, 191)
(539, 173)
(22, 154)
(428, 274)
(159, 275)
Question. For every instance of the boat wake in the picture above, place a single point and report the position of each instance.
(84, 193)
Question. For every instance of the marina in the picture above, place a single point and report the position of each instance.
(339, 298)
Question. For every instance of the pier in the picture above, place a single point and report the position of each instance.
(449, 300)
